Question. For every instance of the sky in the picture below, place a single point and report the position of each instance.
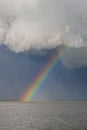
(31, 32)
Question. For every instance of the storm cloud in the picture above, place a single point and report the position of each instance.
(43, 24)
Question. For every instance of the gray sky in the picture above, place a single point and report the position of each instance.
(31, 31)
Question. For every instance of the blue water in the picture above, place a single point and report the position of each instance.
(43, 116)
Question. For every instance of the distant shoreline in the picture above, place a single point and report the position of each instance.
(50, 102)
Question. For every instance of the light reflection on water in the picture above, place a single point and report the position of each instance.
(43, 116)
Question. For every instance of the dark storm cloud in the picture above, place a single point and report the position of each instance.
(44, 24)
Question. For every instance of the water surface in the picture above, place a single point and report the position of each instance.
(43, 116)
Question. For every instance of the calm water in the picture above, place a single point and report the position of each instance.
(43, 116)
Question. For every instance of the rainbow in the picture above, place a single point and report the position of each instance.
(41, 78)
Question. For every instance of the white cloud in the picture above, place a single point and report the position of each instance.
(26, 24)
(42, 24)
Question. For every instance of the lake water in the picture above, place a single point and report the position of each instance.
(43, 116)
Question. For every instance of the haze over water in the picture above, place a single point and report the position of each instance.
(43, 116)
